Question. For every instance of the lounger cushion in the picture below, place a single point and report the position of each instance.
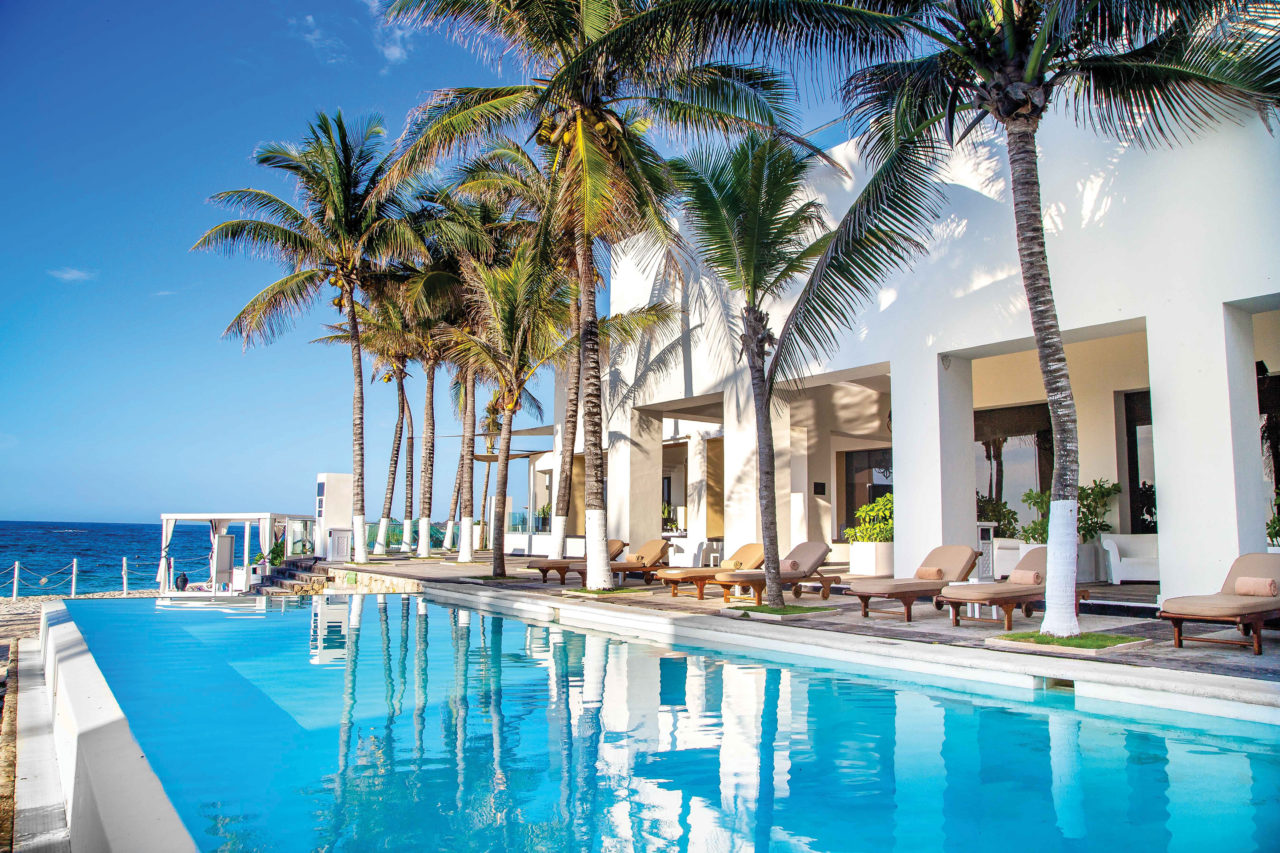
(991, 591)
(740, 576)
(1222, 604)
(1251, 566)
(749, 556)
(1026, 576)
(633, 558)
(929, 573)
(1256, 586)
(806, 558)
(685, 574)
(893, 586)
(956, 561)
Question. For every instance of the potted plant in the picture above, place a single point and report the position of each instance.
(1095, 499)
(871, 540)
(1273, 534)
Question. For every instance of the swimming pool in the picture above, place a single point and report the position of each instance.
(400, 724)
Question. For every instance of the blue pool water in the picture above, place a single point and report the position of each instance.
(424, 727)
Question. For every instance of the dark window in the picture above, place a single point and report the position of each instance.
(1013, 447)
(1142, 465)
(320, 489)
(868, 476)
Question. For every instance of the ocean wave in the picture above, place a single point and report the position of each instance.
(69, 530)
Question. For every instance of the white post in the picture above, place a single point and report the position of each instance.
(16, 568)
(246, 549)
(75, 568)
(124, 574)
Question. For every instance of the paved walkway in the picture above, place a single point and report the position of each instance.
(928, 625)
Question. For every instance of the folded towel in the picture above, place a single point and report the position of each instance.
(731, 565)
(1026, 576)
(929, 573)
(634, 558)
(789, 566)
(1256, 586)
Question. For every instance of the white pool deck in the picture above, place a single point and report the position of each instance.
(78, 758)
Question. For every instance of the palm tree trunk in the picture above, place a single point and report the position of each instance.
(755, 337)
(406, 535)
(453, 504)
(598, 574)
(568, 438)
(428, 461)
(384, 520)
(1060, 587)
(467, 495)
(484, 501)
(358, 536)
(500, 496)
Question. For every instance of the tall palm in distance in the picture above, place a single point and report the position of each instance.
(490, 425)
(756, 229)
(594, 120)
(339, 235)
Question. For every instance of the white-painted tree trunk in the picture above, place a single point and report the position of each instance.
(424, 537)
(558, 526)
(359, 544)
(598, 574)
(466, 539)
(380, 542)
(406, 537)
(1060, 585)
(448, 534)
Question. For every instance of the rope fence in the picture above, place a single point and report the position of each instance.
(43, 583)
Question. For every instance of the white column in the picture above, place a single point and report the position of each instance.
(1210, 493)
(696, 479)
(799, 497)
(933, 475)
(741, 469)
(635, 479)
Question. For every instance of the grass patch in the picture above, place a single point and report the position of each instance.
(1081, 641)
(785, 610)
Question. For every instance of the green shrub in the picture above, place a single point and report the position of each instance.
(1094, 500)
(1000, 513)
(875, 522)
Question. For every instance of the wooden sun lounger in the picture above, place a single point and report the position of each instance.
(1010, 598)
(802, 566)
(645, 560)
(747, 558)
(576, 565)
(1249, 613)
(955, 562)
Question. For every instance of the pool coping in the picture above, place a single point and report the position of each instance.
(112, 798)
(1229, 696)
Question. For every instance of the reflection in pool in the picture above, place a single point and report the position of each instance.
(393, 723)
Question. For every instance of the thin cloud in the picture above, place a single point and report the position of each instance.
(164, 293)
(72, 274)
(331, 49)
(393, 41)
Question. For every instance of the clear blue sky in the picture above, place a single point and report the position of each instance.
(120, 398)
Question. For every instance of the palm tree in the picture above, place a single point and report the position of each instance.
(467, 461)
(519, 312)
(491, 424)
(755, 228)
(384, 520)
(1154, 73)
(339, 234)
(593, 117)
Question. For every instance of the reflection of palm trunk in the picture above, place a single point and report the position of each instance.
(347, 722)
(389, 678)
(1068, 782)
(594, 665)
(461, 647)
(564, 712)
(497, 721)
(420, 693)
(768, 737)
(404, 652)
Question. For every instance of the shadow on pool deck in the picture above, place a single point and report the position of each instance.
(928, 625)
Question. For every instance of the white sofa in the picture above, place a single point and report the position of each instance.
(1006, 552)
(1131, 556)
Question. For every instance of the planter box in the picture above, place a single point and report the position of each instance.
(871, 559)
(772, 617)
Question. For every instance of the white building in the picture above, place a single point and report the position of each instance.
(1164, 269)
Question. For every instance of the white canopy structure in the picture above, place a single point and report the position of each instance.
(271, 527)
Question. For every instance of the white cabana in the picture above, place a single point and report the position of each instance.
(271, 527)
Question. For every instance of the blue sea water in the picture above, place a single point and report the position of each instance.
(45, 548)
(399, 724)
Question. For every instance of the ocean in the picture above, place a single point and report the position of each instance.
(46, 548)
